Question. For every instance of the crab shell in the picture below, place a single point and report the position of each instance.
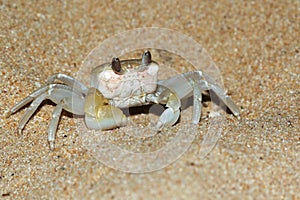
(135, 82)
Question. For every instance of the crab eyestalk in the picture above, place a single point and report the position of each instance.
(116, 65)
(146, 58)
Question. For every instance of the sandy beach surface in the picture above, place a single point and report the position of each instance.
(254, 44)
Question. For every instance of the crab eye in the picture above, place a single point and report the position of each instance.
(116, 65)
(146, 58)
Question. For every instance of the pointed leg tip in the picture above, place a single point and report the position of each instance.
(159, 125)
(52, 146)
(237, 116)
(8, 114)
(194, 122)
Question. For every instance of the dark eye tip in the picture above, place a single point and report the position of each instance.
(116, 65)
(147, 53)
(146, 58)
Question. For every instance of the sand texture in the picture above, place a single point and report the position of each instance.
(256, 46)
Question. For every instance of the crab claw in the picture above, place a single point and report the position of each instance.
(172, 113)
(99, 114)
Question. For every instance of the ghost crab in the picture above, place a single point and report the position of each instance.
(121, 84)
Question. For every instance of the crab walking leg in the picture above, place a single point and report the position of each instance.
(226, 99)
(68, 80)
(54, 92)
(35, 94)
(54, 123)
(212, 85)
(27, 100)
(197, 103)
(99, 114)
(185, 84)
(30, 111)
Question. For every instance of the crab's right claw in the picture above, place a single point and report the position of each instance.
(99, 114)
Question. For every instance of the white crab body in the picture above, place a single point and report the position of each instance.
(121, 84)
(125, 90)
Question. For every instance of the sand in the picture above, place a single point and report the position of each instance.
(255, 45)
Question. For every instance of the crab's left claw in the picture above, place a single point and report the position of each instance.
(172, 113)
(99, 114)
